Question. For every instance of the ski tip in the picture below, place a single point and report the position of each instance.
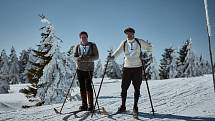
(25, 106)
(56, 111)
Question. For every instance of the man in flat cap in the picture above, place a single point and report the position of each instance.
(132, 70)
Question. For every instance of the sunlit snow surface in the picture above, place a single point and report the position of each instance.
(183, 99)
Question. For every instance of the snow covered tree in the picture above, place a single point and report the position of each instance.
(4, 73)
(197, 66)
(190, 71)
(202, 66)
(23, 61)
(182, 59)
(165, 63)
(4, 70)
(56, 79)
(4, 84)
(173, 65)
(70, 58)
(147, 60)
(57, 74)
(1, 62)
(207, 67)
(154, 70)
(98, 70)
(113, 70)
(14, 67)
(38, 59)
(188, 64)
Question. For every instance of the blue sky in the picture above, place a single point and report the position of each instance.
(164, 23)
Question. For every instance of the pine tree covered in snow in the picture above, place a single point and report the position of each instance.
(113, 69)
(57, 74)
(23, 62)
(98, 70)
(173, 65)
(197, 66)
(14, 67)
(1, 62)
(191, 65)
(56, 79)
(207, 67)
(188, 64)
(4, 84)
(70, 58)
(200, 66)
(165, 63)
(4, 71)
(154, 70)
(147, 60)
(182, 59)
(38, 59)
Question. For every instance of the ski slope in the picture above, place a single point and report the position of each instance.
(183, 99)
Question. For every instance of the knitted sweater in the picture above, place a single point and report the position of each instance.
(132, 52)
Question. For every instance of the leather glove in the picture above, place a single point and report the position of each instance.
(86, 58)
(83, 58)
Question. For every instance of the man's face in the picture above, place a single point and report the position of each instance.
(84, 38)
(130, 35)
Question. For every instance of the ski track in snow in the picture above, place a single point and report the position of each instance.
(183, 99)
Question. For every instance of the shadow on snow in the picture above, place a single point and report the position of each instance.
(176, 117)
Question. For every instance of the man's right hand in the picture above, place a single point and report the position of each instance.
(84, 58)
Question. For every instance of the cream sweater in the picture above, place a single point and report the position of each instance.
(132, 52)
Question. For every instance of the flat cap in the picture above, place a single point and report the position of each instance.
(129, 29)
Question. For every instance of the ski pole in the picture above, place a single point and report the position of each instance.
(66, 94)
(101, 83)
(144, 73)
(94, 91)
(209, 40)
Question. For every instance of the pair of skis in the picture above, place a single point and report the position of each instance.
(75, 113)
(72, 112)
(102, 112)
(135, 115)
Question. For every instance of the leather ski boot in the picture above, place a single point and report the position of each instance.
(84, 101)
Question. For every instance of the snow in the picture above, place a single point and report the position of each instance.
(182, 99)
(14, 100)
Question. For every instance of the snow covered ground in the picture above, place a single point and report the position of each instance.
(14, 100)
(183, 99)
